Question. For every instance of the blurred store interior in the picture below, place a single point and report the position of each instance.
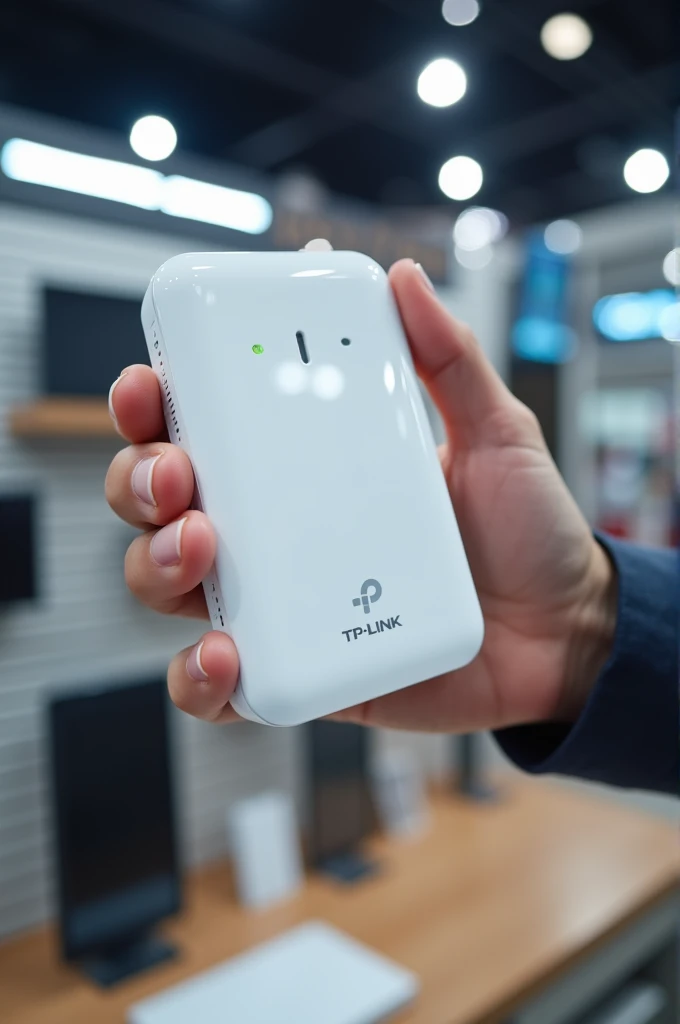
(525, 156)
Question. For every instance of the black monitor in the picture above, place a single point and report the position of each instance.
(88, 340)
(118, 871)
(342, 812)
(470, 775)
(17, 548)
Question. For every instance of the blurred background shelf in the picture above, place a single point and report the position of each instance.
(62, 417)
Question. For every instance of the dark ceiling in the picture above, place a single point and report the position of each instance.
(329, 87)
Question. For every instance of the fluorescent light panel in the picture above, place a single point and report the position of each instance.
(75, 172)
(143, 187)
(214, 204)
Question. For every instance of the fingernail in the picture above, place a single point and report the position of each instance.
(423, 273)
(141, 480)
(166, 545)
(111, 390)
(194, 665)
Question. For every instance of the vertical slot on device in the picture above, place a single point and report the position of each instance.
(304, 355)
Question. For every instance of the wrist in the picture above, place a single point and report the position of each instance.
(592, 633)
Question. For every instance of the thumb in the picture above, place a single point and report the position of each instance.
(475, 404)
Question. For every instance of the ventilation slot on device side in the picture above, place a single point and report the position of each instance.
(216, 613)
(168, 399)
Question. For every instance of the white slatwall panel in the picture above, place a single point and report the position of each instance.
(86, 627)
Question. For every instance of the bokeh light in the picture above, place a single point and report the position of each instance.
(474, 259)
(442, 83)
(460, 12)
(635, 316)
(669, 322)
(478, 227)
(461, 178)
(566, 36)
(646, 170)
(153, 138)
(563, 237)
(671, 267)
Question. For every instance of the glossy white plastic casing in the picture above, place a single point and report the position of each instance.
(340, 571)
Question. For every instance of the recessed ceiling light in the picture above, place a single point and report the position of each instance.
(442, 83)
(153, 138)
(566, 36)
(563, 237)
(478, 227)
(646, 171)
(460, 12)
(461, 178)
(671, 267)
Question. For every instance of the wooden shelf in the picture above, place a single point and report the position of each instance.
(62, 417)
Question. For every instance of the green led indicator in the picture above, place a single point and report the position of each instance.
(258, 350)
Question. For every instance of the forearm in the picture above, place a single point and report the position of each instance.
(593, 635)
(627, 731)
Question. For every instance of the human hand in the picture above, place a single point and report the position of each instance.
(547, 588)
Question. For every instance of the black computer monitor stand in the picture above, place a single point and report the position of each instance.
(348, 867)
(470, 780)
(113, 965)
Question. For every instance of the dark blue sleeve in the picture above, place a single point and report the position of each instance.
(629, 732)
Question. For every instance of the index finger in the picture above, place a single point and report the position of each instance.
(136, 407)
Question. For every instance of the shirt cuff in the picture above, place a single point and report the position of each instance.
(628, 732)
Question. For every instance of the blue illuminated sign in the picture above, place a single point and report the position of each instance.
(633, 316)
(541, 332)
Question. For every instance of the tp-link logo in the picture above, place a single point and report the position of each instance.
(368, 599)
(371, 591)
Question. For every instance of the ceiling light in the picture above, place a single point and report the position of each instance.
(442, 83)
(460, 12)
(478, 227)
(671, 267)
(646, 171)
(36, 164)
(461, 178)
(566, 36)
(214, 204)
(153, 138)
(475, 259)
(75, 172)
(563, 237)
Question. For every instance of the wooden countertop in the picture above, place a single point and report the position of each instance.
(487, 908)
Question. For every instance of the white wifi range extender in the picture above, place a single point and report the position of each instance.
(340, 571)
